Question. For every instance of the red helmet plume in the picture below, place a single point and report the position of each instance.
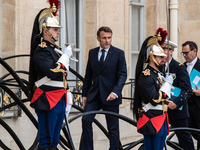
(163, 34)
(57, 4)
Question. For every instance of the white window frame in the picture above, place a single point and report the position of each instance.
(133, 53)
(80, 49)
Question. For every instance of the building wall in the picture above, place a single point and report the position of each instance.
(188, 20)
(155, 16)
(17, 18)
(189, 23)
(7, 29)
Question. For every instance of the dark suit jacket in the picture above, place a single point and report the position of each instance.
(194, 97)
(111, 78)
(181, 81)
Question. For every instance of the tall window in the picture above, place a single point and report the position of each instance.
(137, 32)
(71, 19)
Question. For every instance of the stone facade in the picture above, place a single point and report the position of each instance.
(17, 16)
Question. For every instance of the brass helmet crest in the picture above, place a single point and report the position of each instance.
(154, 45)
(47, 17)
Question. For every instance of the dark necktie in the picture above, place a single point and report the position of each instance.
(101, 59)
(102, 56)
(164, 68)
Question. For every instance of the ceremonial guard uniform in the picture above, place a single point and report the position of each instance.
(47, 79)
(151, 91)
(50, 86)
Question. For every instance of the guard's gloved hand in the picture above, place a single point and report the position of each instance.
(167, 85)
(68, 50)
(64, 59)
(169, 78)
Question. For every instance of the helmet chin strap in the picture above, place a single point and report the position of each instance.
(156, 63)
(49, 34)
(154, 60)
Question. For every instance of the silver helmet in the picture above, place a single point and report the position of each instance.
(154, 49)
(47, 19)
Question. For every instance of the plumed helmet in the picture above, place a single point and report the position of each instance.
(47, 19)
(154, 45)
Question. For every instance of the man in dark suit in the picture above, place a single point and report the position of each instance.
(189, 51)
(104, 80)
(178, 106)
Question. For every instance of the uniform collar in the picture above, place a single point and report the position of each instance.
(156, 71)
(168, 62)
(53, 45)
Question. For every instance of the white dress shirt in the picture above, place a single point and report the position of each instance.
(167, 64)
(191, 65)
(100, 53)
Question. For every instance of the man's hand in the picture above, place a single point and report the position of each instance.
(171, 104)
(111, 97)
(84, 99)
(196, 92)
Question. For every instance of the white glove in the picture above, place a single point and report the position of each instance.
(68, 50)
(169, 78)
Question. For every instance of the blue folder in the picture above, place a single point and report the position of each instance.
(175, 93)
(195, 78)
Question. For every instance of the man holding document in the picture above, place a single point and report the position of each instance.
(189, 51)
(178, 104)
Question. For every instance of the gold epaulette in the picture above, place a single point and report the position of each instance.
(42, 45)
(146, 72)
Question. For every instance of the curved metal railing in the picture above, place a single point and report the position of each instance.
(66, 140)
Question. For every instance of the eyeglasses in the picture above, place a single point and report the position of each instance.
(185, 53)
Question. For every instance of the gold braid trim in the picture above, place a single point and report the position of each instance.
(164, 106)
(165, 46)
(159, 99)
(57, 69)
(64, 81)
